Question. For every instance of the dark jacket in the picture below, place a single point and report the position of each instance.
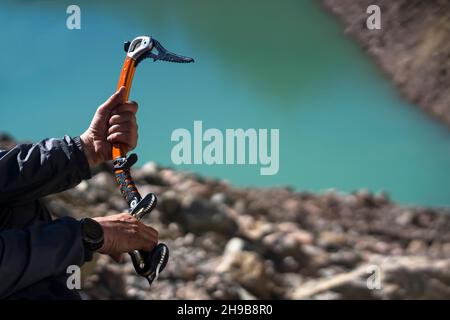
(34, 250)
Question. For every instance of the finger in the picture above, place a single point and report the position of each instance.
(117, 98)
(126, 127)
(151, 233)
(129, 139)
(146, 231)
(125, 107)
(125, 217)
(147, 245)
(122, 117)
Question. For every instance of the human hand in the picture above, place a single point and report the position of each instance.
(113, 122)
(124, 233)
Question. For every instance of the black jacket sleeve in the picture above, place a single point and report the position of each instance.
(31, 171)
(38, 252)
(43, 249)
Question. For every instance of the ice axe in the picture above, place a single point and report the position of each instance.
(146, 264)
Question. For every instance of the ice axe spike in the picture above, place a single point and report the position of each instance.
(146, 264)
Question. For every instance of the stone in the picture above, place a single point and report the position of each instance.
(200, 216)
(246, 268)
(246, 243)
(332, 240)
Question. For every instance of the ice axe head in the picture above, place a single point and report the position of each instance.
(147, 47)
(141, 48)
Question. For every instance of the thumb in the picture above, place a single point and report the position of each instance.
(117, 98)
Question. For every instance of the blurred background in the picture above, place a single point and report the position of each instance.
(360, 207)
(258, 65)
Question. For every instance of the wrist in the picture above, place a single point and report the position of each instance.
(89, 150)
(92, 236)
(105, 248)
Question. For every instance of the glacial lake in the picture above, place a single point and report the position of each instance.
(259, 64)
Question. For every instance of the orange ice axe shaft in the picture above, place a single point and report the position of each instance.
(146, 264)
(125, 80)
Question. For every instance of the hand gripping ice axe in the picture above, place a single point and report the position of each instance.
(146, 264)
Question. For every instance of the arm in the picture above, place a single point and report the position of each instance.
(31, 171)
(38, 252)
(35, 253)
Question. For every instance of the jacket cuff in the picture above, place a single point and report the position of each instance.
(83, 164)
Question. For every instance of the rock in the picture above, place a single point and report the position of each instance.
(288, 241)
(252, 228)
(346, 259)
(148, 174)
(416, 247)
(222, 287)
(82, 187)
(6, 141)
(101, 186)
(289, 264)
(220, 198)
(102, 181)
(170, 206)
(170, 177)
(189, 291)
(332, 285)
(405, 218)
(382, 198)
(199, 216)
(233, 247)
(194, 189)
(332, 240)
(365, 198)
(416, 278)
(247, 243)
(109, 283)
(229, 243)
(401, 278)
(295, 234)
(149, 169)
(413, 52)
(246, 268)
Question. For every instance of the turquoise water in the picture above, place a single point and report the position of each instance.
(283, 65)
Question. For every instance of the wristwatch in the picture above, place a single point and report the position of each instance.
(92, 235)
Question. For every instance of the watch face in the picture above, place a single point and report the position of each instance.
(92, 231)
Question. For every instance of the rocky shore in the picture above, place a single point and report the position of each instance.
(251, 243)
(248, 243)
(412, 47)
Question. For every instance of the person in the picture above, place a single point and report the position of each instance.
(35, 251)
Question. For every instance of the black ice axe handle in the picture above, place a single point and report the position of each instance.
(146, 264)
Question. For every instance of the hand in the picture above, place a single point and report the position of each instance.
(113, 122)
(124, 233)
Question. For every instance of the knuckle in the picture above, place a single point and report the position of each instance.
(153, 231)
(130, 217)
(124, 216)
